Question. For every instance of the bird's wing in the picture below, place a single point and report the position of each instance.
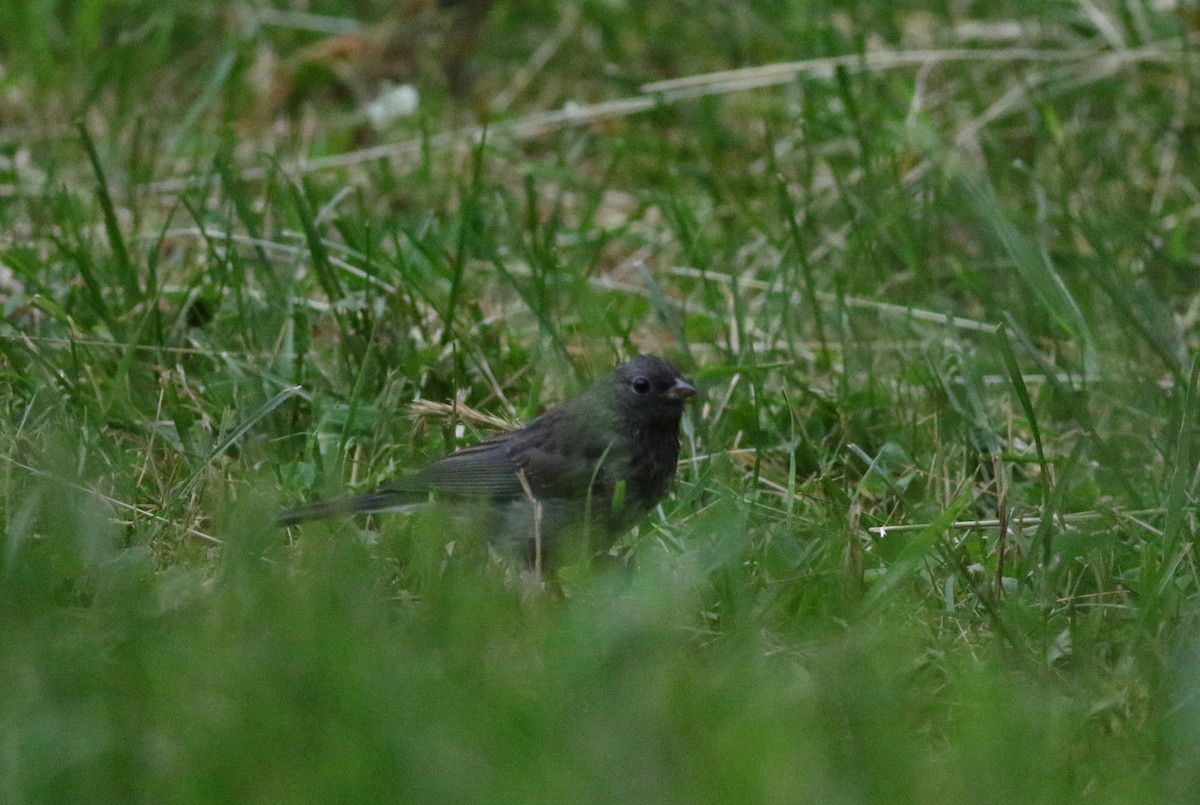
(485, 469)
(551, 465)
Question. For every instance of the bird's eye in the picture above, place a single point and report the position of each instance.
(640, 385)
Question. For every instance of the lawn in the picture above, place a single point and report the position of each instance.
(932, 267)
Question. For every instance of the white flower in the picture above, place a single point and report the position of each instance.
(393, 102)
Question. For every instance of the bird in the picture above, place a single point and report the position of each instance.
(590, 467)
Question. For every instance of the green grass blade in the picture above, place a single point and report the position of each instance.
(1182, 468)
(123, 267)
(1017, 379)
(183, 491)
(914, 555)
(1031, 262)
(326, 275)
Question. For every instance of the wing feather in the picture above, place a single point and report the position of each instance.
(555, 464)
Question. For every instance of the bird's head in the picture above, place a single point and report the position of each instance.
(651, 389)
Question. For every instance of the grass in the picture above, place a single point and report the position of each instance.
(933, 535)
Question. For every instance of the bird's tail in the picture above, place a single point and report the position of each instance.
(378, 501)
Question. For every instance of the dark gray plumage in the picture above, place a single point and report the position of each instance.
(595, 464)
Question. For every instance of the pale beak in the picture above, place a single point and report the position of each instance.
(681, 390)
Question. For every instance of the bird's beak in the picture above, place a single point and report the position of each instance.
(681, 390)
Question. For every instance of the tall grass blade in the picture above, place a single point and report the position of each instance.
(126, 273)
(914, 555)
(1182, 467)
(1017, 379)
(183, 491)
(1031, 262)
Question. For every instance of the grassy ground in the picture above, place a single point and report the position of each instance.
(936, 269)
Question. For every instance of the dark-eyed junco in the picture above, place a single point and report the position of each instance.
(592, 466)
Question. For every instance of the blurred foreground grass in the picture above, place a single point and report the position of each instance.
(935, 267)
